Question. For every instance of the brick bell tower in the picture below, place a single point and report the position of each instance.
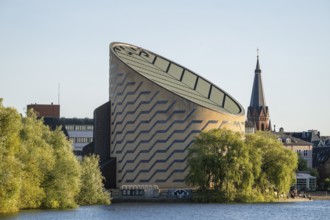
(258, 112)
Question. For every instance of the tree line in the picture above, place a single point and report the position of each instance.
(231, 167)
(39, 170)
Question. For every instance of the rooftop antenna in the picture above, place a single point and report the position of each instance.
(258, 52)
(58, 97)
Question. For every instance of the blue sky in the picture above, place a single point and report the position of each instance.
(43, 43)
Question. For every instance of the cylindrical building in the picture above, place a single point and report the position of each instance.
(157, 108)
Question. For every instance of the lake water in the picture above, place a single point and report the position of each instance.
(187, 211)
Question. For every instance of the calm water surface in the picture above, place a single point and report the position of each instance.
(296, 211)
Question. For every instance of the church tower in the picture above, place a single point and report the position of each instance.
(258, 113)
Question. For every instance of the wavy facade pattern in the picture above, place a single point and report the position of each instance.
(157, 108)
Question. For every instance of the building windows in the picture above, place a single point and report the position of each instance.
(81, 139)
(301, 184)
(79, 127)
(69, 127)
(305, 153)
(305, 182)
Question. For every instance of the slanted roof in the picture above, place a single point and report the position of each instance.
(53, 123)
(304, 176)
(320, 155)
(294, 141)
(257, 97)
(309, 136)
(176, 78)
(77, 121)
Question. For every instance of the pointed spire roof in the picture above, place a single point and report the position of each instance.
(258, 65)
(257, 97)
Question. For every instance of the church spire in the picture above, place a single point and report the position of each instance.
(257, 97)
(258, 66)
(258, 112)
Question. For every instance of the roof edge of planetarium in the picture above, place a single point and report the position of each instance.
(116, 43)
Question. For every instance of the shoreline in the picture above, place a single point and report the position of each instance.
(163, 200)
(163, 197)
(317, 195)
(320, 195)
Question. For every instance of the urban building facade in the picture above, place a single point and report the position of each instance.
(303, 148)
(78, 130)
(45, 110)
(157, 108)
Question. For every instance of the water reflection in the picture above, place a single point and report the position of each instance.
(302, 210)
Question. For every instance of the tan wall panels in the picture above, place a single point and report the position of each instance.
(152, 128)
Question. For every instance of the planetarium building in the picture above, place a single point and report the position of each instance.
(157, 108)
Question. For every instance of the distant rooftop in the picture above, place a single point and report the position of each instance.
(304, 176)
(293, 140)
(45, 110)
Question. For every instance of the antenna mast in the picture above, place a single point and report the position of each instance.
(58, 97)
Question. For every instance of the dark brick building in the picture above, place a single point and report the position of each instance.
(43, 110)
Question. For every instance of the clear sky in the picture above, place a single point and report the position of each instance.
(46, 42)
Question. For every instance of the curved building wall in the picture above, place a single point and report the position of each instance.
(152, 128)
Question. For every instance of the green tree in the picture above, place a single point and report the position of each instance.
(37, 157)
(327, 183)
(10, 166)
(38, 168)
(302, 166)
(234, 168)
(278, 164)
(219, 161)
(62, 183)
(92, 189)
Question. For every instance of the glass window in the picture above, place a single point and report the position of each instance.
(305, 153)
(82, 140)
(217, 96)
(203, 87)
(80, 127)
(175, 71)
(69, 127)
(161, 63)
(231, 106)
(189, 79)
